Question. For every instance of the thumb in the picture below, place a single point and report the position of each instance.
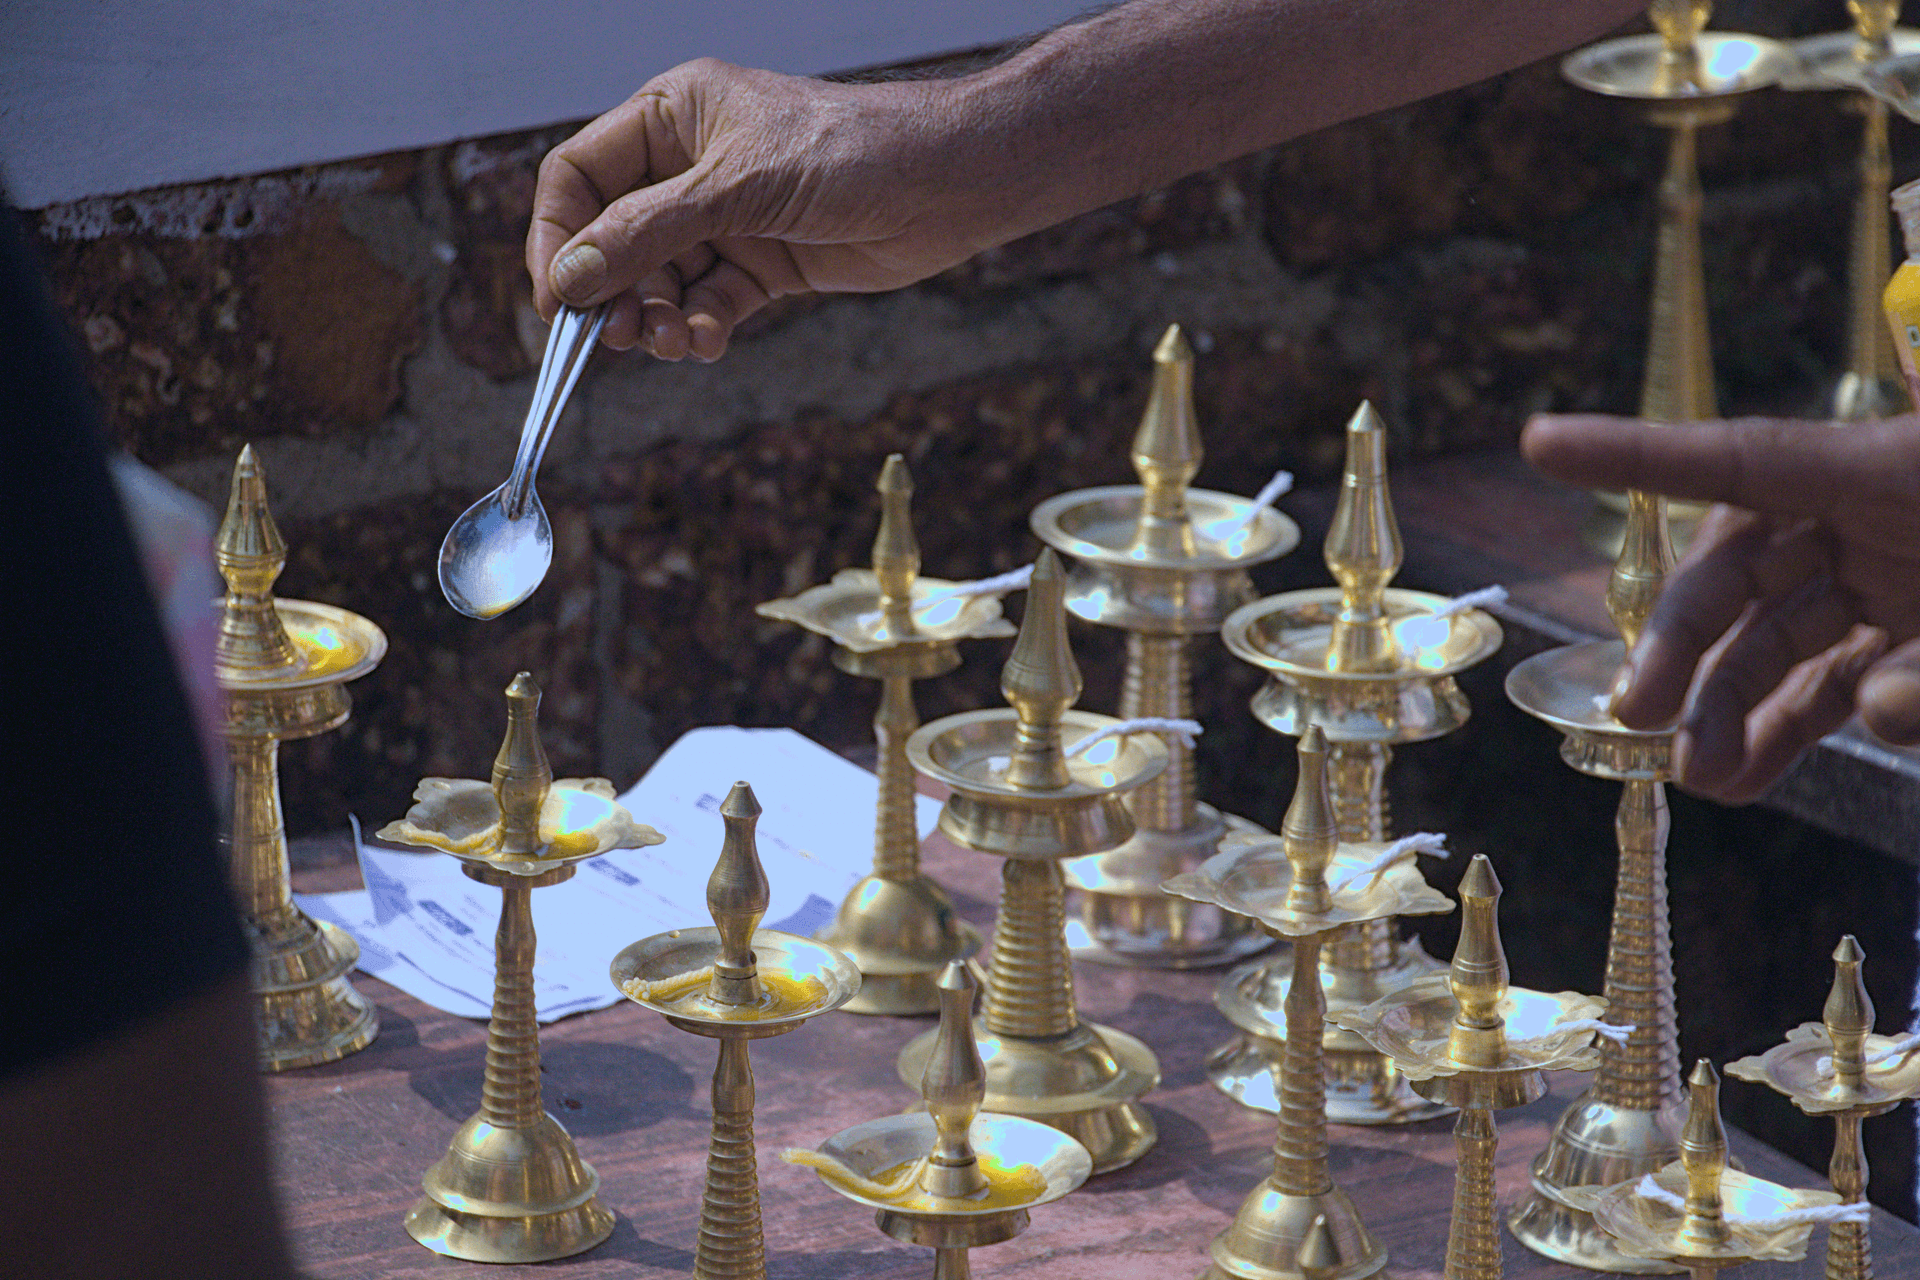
(1889, 697)
(635, 236)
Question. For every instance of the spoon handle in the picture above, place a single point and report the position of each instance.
(569, 344)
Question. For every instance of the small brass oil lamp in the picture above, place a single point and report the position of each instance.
(1016, 794)
(283, 666)
(1304, 896)
(892, 625)
(1472, 1041)
(952, 1178)
(512, 1187)
(1837, 1067)
(1704, 1217)
(734, 983)
(1627, 1123)
(1689, 78)
(1373, 665)
(1837, 60)
(1164, 563)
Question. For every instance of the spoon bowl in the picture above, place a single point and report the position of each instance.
(490, 561)
(498, 552)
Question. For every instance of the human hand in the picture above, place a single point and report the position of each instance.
(1797, 603)
(715, 189)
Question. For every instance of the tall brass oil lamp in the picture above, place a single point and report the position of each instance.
(1703, 1217)
(952, 1177)
(734, 983)
(1164, 563)
(1688, 77)
(512, 1187)
(892, 625)
(1627, 1123)
(1472, 1041)
(1374, 667)
(1017, 795)
(284, 665)
(1317, 887)
(1870, 387)
(1837, 1067)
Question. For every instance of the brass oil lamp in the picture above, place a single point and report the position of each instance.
(734, 983)
(1314, 889)
(1689, 78)
(1164, 563)
(1627, 1123)
(1017, 795)
(1698, 1215)
(283, 666)
(892, 625)
(512, 1187)
(1373, 665)
(952, 1177)
(1471, 1040)
(1837, 1067)
(1870, 387)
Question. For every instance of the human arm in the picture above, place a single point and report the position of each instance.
(1798, 602)
(715, 189)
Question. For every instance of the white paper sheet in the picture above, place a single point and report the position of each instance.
(426, 928)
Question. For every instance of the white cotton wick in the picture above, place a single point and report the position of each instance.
(1269, 493)
(1856, 1211)
(998, 585)
(1185, 730)
(1430, 843)
(1606, 1030)
(1900, 1048)
(1495, 594)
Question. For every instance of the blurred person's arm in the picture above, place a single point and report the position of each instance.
(132, 1130)
(715, 188)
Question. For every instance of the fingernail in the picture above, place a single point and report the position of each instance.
(578, 273)
(1621, 683)
(1681, 754)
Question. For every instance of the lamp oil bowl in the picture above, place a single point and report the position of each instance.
(734, 983)
(892, 625)
(512, 1187)
(1699, 1215)
(1316, 886)
(1471, 1040)
(1373, 665)
(1015, 794)
(1626, 1124)
(1837, 1067)
(283, 665)
(951, 1177)
(1164, 563)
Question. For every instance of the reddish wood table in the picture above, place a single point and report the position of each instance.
(355, 1136)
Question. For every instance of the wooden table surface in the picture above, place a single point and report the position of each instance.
(355, 1136)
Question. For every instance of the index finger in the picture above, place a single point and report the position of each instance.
(1763, 464)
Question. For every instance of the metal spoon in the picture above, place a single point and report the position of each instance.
(497, 553)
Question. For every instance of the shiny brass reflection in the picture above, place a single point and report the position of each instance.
(734, 983)
(892, 625)
(512, 1186)
(1015, 794)
(1165, 563)
(1298, 896)
(952, 1177)
(1373, 666)
(1473, 1041)
(283, 665)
